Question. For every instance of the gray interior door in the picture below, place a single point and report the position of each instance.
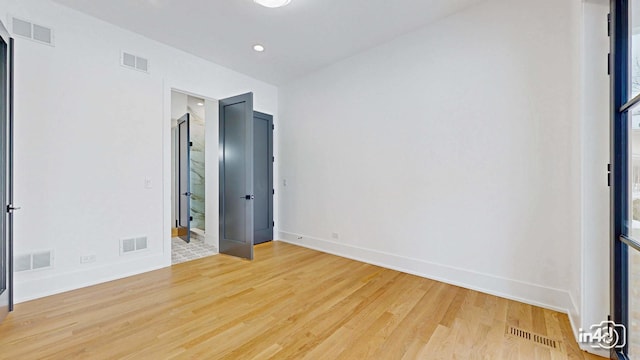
(263, 177)
(6, 172)
(236, 176)
(184, 179)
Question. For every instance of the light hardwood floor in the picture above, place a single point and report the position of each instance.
(289, 303)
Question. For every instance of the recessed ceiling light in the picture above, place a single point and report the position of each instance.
(272, 3)
(200, 104)
(258, 48)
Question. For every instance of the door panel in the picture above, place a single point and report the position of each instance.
(184, 178)
(234, 172)
(10, 207)
(236, 176)
(6, 173)
(263, 177)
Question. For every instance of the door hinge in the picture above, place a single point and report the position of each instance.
(609, 25)
(608, 174)
(190, 218)
(273, 127)
(273, 191)
(273, 223)
(190, 143)
(273, 159)
(609, 64)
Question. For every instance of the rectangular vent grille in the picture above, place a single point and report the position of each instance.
(39, 33)
(22, 28)
(42, 34)
(545, 341)
(135, 62)
(34, 261)
(538, 339)
(22, 263)
(131, 245)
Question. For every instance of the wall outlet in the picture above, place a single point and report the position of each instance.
(148, 184)
(335, 236)
(85, 259)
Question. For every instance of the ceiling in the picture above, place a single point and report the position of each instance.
(299, 38)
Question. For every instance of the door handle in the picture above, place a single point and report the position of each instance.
(11, 208)
(249, 197)
(187, 194)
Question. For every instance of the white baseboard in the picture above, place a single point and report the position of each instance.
(533, 294)
(30, 289)
(596, 351)
(574, 319)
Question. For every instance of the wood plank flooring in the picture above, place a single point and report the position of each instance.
(289, 303)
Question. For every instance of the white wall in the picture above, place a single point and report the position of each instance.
(595, 157)
(212, 174)
(452, 152)
(179, 104)
(88, 132)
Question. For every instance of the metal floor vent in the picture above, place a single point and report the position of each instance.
(538, 339)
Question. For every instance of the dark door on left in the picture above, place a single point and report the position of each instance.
(6, 172)
(184, 179)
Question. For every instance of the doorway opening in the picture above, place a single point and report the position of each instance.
(190, 140)
(221, 176)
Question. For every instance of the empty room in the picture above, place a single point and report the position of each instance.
(320, 179)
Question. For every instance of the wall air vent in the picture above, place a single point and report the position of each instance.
(22, 28)
(34, 261)
(22, 263)
(132, 245)
(42, 34)
(35, 32)
(135, 62)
